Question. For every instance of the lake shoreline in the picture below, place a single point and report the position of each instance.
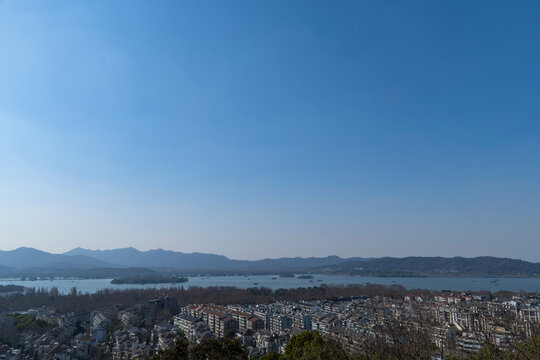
(457, 284)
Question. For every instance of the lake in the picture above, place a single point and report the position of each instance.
(276, 282)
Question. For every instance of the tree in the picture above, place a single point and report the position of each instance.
(272, 355)
(527, 350)
(312, 346)
(222, 349)
(178, 352)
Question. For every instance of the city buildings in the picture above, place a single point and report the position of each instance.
(452, 322)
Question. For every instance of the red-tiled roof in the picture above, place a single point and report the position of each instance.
(214, 312)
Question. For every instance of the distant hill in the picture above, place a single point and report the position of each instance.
(133, 262)
(436, 266)
(154, 258)
(29, 262)
(161, 259)
(297, 264)
(25, 257)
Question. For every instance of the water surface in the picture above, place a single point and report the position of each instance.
(276, 282)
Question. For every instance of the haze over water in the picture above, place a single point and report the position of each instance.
(430, 283)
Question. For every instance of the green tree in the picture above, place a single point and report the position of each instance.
(222, 349)
(178, 352)
(527, 350)
(312, 346)
(272, 355)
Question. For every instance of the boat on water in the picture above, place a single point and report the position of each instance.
(255, 283)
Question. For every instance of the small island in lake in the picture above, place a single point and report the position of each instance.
(142, 280)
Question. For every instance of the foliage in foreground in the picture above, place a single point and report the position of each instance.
(527, 350)
(312, 346)
(218, 349)
(309, 346)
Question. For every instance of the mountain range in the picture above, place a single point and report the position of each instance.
(157, 260)
(26, 261)
(435, 266)
(25, 257)
(165, 259)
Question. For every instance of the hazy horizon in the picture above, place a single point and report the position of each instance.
(271, 129)
(262, 258)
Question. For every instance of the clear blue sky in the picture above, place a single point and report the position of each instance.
(271, 128)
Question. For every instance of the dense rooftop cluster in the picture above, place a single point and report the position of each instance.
(431, 327)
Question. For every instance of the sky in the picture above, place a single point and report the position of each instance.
(258, 129)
